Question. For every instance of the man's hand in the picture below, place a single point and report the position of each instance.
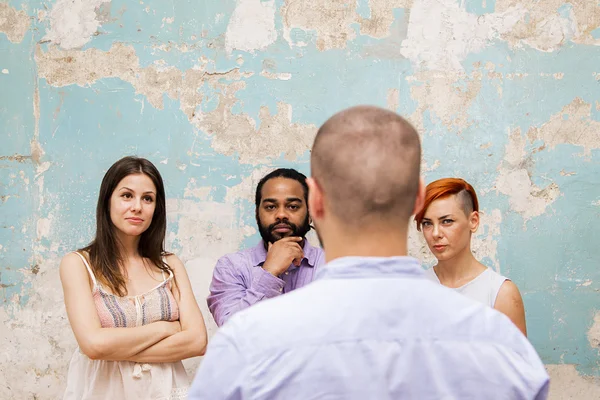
(282, 253)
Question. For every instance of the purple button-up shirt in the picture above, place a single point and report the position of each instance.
(240, 281)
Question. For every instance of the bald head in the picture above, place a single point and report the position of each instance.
(366, 160)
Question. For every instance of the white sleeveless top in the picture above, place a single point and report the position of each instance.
(483, 288)
(127, 380)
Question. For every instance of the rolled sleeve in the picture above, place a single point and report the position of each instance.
(266, 283)
(236, 286)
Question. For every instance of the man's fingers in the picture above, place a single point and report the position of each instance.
(290, 239)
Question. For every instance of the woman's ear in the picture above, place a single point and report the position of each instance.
(474, 221)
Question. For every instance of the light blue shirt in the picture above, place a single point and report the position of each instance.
(370, 328)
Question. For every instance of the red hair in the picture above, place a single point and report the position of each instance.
(443, 188)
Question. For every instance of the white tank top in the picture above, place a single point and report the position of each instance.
(483, 288)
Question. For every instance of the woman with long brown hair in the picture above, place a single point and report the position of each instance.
(130, 303)
(448, 219)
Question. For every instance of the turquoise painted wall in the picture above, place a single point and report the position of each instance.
(506, 94)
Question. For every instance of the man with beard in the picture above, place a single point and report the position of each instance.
(281, 262)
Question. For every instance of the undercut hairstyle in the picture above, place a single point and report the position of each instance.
(288, 173)
(465, 194)
(104, 252)
(367, 162)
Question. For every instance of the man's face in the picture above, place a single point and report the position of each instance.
(282, 211)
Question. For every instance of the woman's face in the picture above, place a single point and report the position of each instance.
(132, 204)
(447, 229)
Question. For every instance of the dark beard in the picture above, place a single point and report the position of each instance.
(268, 236)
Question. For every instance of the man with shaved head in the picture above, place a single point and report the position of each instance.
(370, 326)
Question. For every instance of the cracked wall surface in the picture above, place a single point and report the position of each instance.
(505, 94)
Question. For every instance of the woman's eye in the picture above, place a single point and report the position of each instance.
(149, 199)
(126, 195)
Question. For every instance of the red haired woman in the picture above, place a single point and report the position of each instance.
(449, 218)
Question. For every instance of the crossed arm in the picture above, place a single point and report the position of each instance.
(160, 341)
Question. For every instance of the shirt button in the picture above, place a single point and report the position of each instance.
(281, 289)
(287, 272)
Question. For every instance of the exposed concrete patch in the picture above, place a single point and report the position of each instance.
(330, 19)
(233, 133)
(441, 33)
(246, 189)
(203, 227)
(74, 22)
(282, 76)
(567, 384)
(524, 197)
(13, 23)
(572, 125)
(594, 332)
(484, 242)
(252, 26)
(514, 180)
(17, 157)
(193, 191)
(83, 68)
(238, 133)
(382, 17)
(393, 99)
(549, 24)
(36, 339)
(443, 95)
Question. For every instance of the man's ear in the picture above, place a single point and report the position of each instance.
(420, 200)
(315, 199)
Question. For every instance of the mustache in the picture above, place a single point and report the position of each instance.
(288, 224)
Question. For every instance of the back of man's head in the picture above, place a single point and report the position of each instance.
(367, 162)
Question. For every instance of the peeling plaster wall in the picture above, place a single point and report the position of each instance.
(506, 94)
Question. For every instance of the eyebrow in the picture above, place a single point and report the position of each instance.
(442, 217)
(131, 190)
(288, 200)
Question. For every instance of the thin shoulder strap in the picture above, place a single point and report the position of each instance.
(164, 260)
(87, 266)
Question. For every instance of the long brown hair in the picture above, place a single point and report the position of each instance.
(104, 251)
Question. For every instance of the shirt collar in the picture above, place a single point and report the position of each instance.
(371, 267)
(311, 253)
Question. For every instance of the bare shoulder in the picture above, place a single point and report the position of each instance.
(72, 269)
(510, 303)
(509, 294)
(70, 261)
(175, 263)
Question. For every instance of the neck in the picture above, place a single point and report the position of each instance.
(366, 242)
(128, 245)
(463, 264)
